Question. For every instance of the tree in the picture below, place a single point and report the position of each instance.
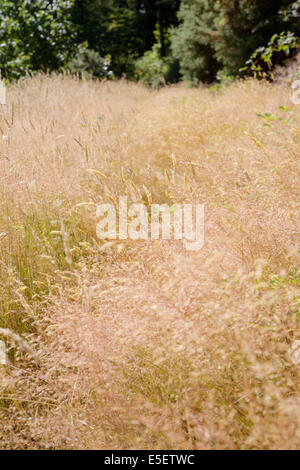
(217, 37)
(35, 35)
(191, 41)
(124, 29)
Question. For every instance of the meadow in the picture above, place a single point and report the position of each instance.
(137, 344)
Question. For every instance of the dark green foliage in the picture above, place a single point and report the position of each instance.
(148, 39)
(216, 38)
(155, 69)
(89, 62)
(124, 29)
(279, 47)
(192, 41)
(35, 35)
(263, 59)
(107, 30)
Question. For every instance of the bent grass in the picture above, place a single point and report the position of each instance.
(143, 345)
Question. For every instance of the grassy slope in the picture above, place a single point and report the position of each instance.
(145, 345)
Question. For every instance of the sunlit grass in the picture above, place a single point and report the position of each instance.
(140, 344)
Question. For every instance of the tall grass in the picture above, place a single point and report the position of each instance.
(140, 344)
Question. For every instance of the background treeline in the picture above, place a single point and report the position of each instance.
(157, 41)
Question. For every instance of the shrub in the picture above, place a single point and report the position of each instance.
(89, 62)
(263, 59)
(216, 36)
(156, 70)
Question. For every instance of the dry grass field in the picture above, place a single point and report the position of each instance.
(140, 344)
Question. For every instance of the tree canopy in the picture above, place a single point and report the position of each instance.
(147, 39)
(35, 35)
